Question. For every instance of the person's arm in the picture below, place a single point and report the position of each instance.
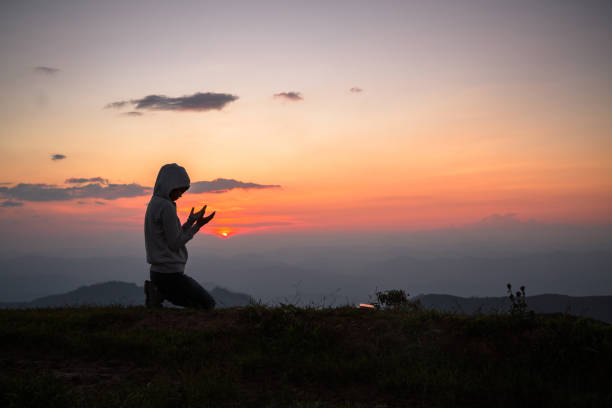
(176, 237)
(189, 222)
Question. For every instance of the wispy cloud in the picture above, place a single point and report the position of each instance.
(81, 180)
(132, 113)
(116, 105)
(355, 90)
(47, 192)
(45, 70)
(290, 96)
(10, 203)
(58, 156)
(222, 185)
(198, 102)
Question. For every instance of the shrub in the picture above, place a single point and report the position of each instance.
(518, 302)
(397, 299)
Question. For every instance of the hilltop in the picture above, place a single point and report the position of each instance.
(300, 357)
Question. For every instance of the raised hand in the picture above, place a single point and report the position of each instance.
(201, 220)
(193, 217)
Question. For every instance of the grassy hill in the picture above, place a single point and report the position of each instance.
(293, 357)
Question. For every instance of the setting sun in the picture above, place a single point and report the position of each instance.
(223, 232)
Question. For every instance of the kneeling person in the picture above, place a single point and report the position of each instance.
(165, 240)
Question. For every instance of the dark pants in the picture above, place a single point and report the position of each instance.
(182, 290)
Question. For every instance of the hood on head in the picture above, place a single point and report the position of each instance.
(170, 176)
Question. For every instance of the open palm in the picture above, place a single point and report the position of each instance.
(201, 220)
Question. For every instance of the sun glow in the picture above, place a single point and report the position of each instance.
(224, 232)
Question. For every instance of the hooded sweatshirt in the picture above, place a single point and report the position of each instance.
(165, 238)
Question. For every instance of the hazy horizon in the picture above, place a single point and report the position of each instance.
(475, 260)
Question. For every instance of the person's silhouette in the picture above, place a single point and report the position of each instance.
(165, 240)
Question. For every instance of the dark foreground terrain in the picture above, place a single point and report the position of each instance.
(286, 356)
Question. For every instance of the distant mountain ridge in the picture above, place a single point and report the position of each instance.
(130, 294)
(117, 293)
(357, 274)
(330, 279)
(595, 307)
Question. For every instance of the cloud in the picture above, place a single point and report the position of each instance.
(58, 156)
(291, 96)
(47, 192)
(100, 202)
(221, 185)
(100, 188)
(9, 203)
(76, 180)
(116, 105)
(198, 102)
(132, 113)
(355, 90)
(45, 70)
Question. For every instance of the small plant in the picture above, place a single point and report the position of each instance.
(518, 302)
(397, 299)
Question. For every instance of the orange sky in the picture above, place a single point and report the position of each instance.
(458, 118)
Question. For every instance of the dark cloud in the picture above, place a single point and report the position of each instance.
(197, 102)
(100, 202)
(291, 96)
(9, 203)
(100, 188)
(76, 180)
(47, 192)
(355, 90)
(132, 113)
(46, 70)
(58, 156)
(221, 185)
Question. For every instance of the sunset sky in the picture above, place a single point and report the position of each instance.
(344, 115)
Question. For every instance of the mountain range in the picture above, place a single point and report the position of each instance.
(594, 307)
(117, 294)
(129, 294)
(335, 274)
